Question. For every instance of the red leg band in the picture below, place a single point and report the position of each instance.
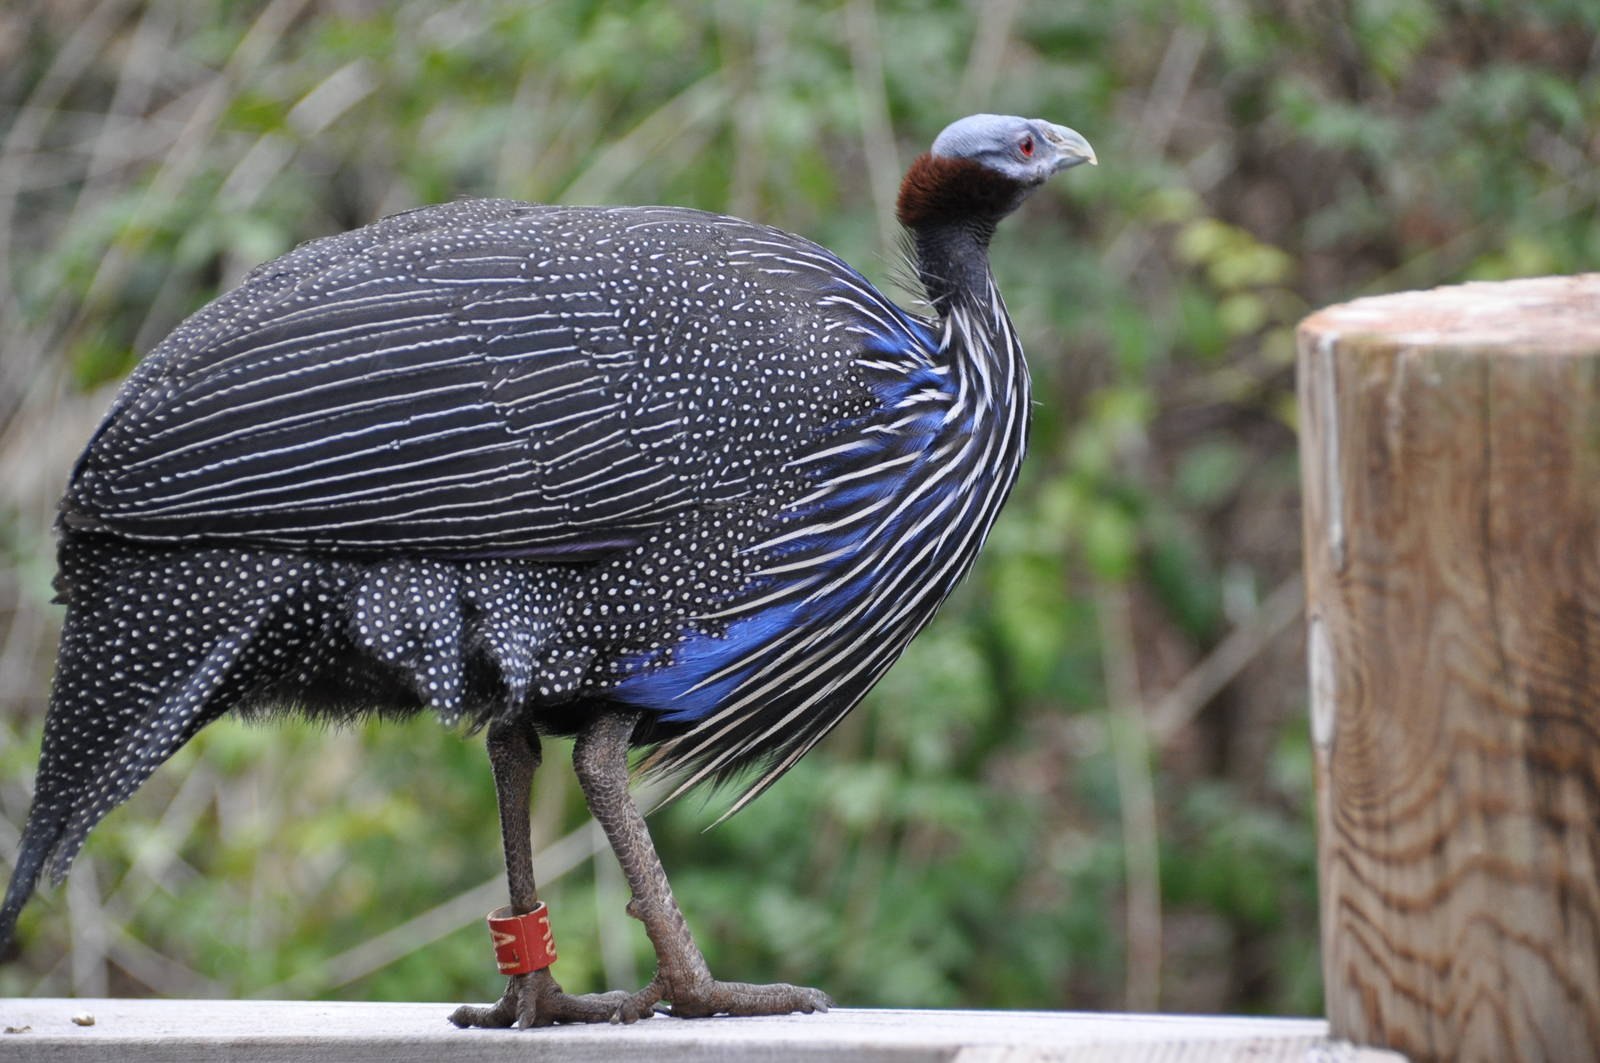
(522, 943)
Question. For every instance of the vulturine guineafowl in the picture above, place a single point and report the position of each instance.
(647, 476)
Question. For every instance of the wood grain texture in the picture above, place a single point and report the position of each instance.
(1450, 446)
(287, 1031)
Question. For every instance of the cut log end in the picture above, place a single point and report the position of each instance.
(1540, 315)
(1450, 449)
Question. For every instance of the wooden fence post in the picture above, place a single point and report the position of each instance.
(1450, 446)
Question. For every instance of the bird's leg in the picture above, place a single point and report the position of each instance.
(682, 977)
(533, 999)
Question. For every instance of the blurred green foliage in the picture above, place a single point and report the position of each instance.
(960, 841)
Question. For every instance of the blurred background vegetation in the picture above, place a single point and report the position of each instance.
(1088, 785)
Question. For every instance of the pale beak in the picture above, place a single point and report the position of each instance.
(1070, 147)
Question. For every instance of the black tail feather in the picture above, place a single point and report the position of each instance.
(146, 649)
(38, 841)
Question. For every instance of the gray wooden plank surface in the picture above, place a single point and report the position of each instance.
(136, 1031)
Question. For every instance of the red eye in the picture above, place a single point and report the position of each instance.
(1025, 145)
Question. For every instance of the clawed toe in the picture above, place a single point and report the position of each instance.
(740, 998)
(616, 1007)
(538, 1000)
(496, 1016)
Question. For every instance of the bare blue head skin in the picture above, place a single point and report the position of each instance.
(1027, 150)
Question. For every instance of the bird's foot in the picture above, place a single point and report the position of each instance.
(537, 999)
(701, 997)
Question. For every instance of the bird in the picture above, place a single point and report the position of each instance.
(664, 481)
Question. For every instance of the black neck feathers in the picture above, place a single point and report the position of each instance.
(951, 208)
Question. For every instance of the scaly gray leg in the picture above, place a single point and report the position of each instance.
(534, 999)
(601, 759)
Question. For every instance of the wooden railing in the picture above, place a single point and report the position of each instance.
(143, 1031)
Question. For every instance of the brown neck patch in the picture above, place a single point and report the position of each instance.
(938, 191)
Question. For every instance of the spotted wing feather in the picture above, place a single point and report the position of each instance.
(487, 378)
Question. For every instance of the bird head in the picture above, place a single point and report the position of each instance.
(1027, 150)
(983, 166)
